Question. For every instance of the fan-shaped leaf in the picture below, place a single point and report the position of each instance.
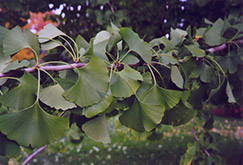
(178, 115)
(125, 83)
(176, 77)
(100, 43)
(213, 35)
(92, 78)
(195, 51)
(15, 65)
(8, 147)
(52, 96)
(136, 44)
(97, 130)
(16, 40)
(160, 96)
(93, 110)
(32, 127)
(141, 116)
(49, 32)
(23, 95)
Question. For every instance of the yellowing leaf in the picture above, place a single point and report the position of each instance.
(25, 53)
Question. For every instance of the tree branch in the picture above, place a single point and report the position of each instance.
(80, 65)
(222, 47)
(34, 154)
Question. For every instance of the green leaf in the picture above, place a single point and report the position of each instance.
(160, 96)
(100, 107)
(23, 95)
(204, 71)
(100, 43)
(189, 155)
(195, 51)
(177, 36)
(8, 148)
(213, 35)
(176, 77)
(163, 40)
(4, 61)
(97, 130)
(3, 32)
(52, 96)
(229, 93)
(130, 59)
(91, 79)
(49, 45)
(125, 83)
(49, 32)
(136, 44)
(115, 38)
(16, 39)
(15, 65)
(141, 116)
(32, 127)
(178, 115)
(229, 63)
(167, 58)
(81, 42)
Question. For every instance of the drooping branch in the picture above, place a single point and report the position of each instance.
(34, 154)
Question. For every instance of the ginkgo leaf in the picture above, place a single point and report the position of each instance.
(92, 78)
(178, 115)
(136, 44)
(100, 107)
(213, 35)
(141, 116)
(52, 96)
(15, 65)
(23, 95)
(50, 45)
(176, 77)
(49, 32)
(8, 147)
(125, 83)
(97, 130)
(16, 40)
(195, 51)
(32, 127)
(160, 96)
(100, 42)
(3, 32)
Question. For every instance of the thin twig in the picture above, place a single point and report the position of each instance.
(34, 154)
(195, 136)
(112, 9)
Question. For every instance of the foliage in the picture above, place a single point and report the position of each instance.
(115, 73)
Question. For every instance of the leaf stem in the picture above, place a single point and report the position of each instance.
(159, 76)
(74, 54)
(154, 79)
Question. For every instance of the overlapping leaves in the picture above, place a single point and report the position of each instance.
(16, 39)
(91, 79)
(18, 97)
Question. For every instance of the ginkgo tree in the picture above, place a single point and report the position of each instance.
(116, 73)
